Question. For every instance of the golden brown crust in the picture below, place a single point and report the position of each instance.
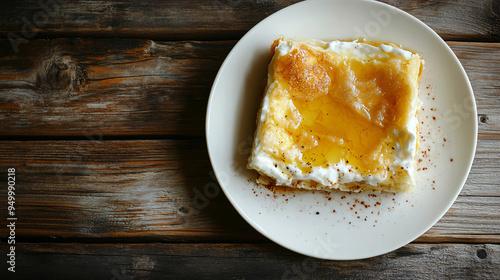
(326, 108)
(303, 71)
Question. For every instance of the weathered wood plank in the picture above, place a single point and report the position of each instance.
(121, 189)
(457, 20)
(246, 261)
(147, 190)
(76, 87)
(113, 87)
(484, 178)
(481, 61)
(465, 20)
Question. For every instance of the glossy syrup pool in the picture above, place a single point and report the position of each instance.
(348, 108)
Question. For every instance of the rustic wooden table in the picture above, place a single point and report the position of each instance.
(102, 109)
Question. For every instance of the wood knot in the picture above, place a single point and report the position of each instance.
(481, 253)
(62, 66)
(483, 119)
(58, 73)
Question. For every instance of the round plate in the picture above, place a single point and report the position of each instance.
(340, 225)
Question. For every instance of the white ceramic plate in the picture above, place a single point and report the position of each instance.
(339, 225)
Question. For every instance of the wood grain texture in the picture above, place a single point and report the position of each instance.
(87, 80)
(119, 189)
(150, 190)
(80, 87)
(112, 87)
(220, 19)
(247, 261)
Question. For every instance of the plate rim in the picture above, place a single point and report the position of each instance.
(413, 236)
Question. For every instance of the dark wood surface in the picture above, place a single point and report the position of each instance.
(222, 19)
(102, 113)
(252, 261)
